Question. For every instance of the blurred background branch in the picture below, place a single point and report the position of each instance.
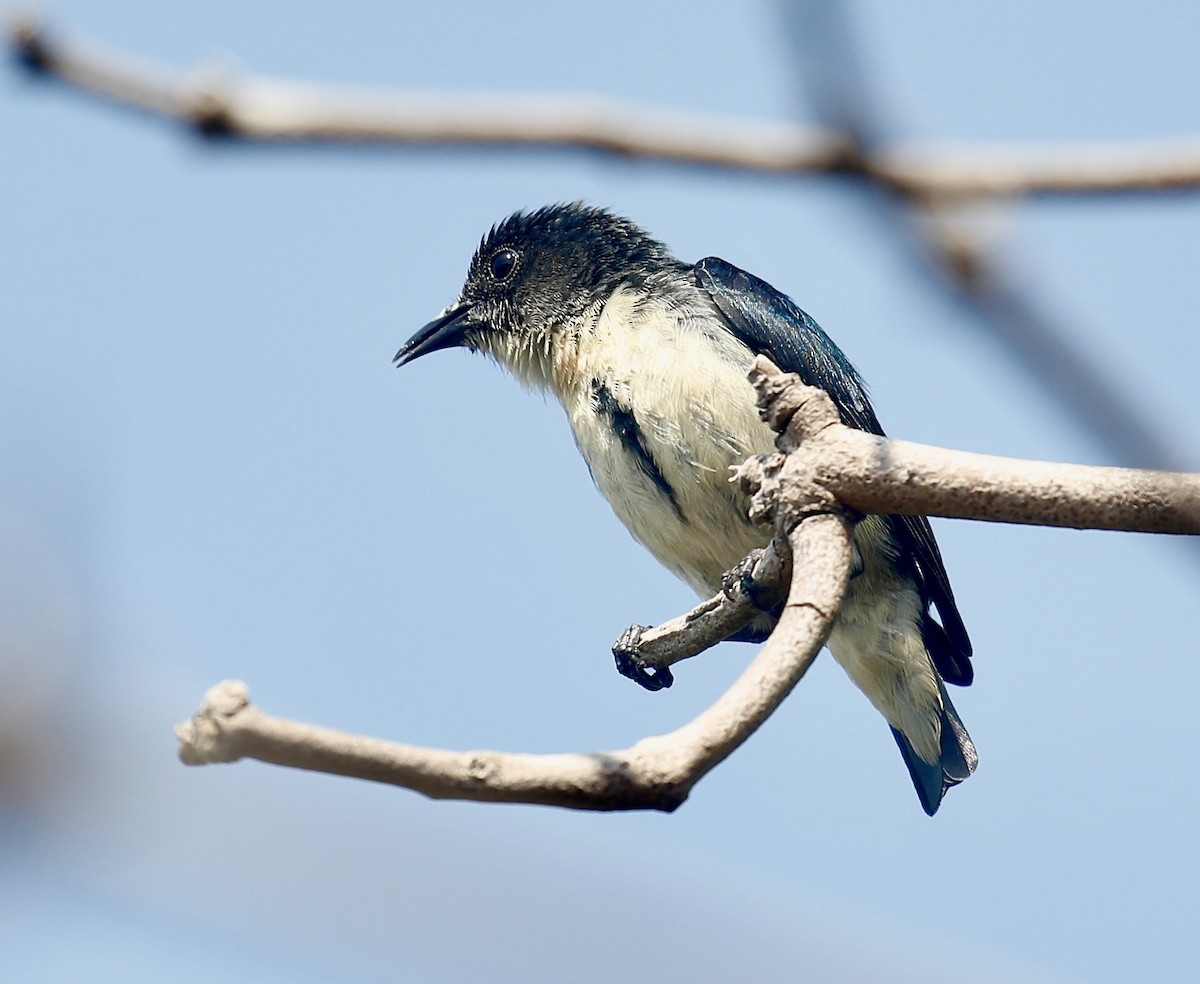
(219, 102)
(924, 188)
(938, 231)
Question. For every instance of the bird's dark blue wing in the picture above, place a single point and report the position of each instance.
(772, 325)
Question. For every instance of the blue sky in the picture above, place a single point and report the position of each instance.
(211, 470)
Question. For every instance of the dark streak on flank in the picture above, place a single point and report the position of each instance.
(625, 427)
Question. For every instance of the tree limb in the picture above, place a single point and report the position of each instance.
(656, 773)
(255, 109)
(873, 474)
(933, 178)
(822, 467)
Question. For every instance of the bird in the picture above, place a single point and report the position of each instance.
(648, 356)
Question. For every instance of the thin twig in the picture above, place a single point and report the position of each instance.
(716, 619)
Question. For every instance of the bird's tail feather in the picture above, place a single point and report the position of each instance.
(956, 762)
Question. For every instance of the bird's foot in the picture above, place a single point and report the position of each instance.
(738, 583)
(740, 580)
(627, 654)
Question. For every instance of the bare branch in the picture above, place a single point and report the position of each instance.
(656, 773)
(874, 474)
(821, 462)
(949, 171)
(266, 110)
(715, 619)
(256, 109)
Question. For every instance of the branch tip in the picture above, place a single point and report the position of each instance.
(205, 738)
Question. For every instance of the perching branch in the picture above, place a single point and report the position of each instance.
(657, 773)
(821, 469)
(874, 474)
(640, 649)
(255, 109)
(930, 179)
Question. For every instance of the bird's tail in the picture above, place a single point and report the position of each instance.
(956, 762)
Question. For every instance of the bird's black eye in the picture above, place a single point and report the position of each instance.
(504, 262)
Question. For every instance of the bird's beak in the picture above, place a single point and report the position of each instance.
(444, 332)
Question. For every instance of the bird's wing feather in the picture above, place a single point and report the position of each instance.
(771, 324)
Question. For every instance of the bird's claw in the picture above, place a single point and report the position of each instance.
(740, 580)
(627, 655)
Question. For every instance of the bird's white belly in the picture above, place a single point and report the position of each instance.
(687, 391)
(697, 533)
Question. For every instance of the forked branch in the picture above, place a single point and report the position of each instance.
(823, 468)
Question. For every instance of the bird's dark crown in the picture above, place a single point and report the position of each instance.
(567, 255)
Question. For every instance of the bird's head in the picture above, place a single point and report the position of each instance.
(535, 281)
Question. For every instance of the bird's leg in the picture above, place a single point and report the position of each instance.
(627, 654)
